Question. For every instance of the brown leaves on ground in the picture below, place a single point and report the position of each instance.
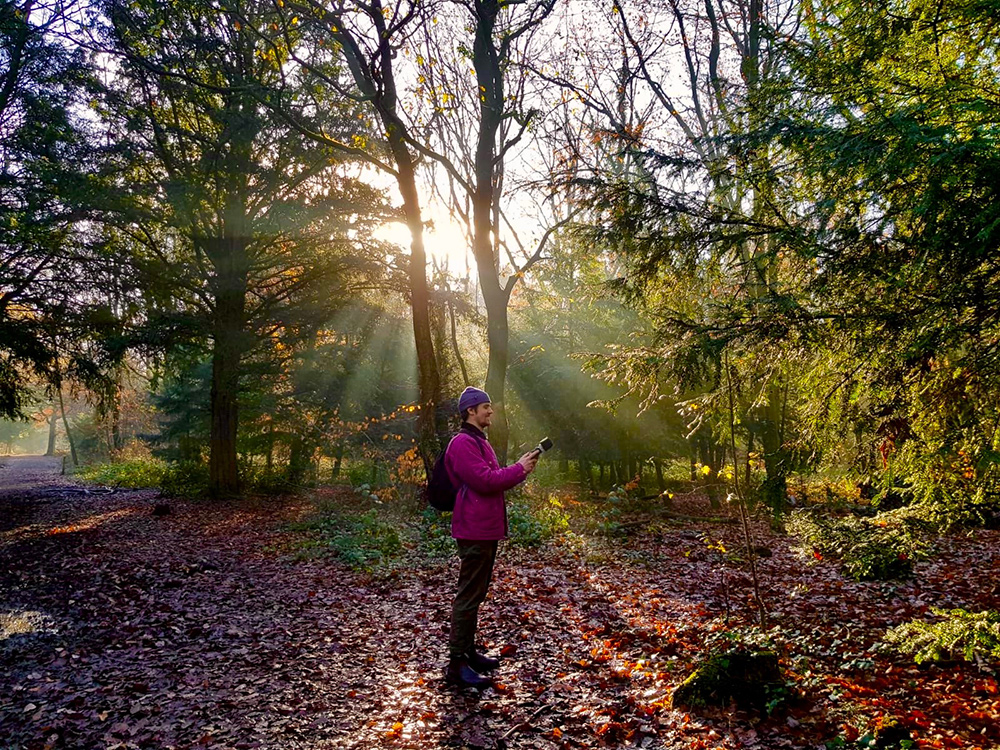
(195, 630)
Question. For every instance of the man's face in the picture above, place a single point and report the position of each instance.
(482, 415)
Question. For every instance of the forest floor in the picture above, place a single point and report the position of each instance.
(199, 629)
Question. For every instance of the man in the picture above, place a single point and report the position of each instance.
(478, 524)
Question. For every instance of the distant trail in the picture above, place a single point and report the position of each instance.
(27, 476)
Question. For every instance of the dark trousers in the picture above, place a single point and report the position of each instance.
(473, 583)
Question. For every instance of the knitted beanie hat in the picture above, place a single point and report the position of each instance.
(472, 397)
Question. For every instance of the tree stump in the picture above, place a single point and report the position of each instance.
(736, 676)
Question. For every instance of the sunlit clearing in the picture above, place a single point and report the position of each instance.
(85, 524)
(89, 523)
(23, 622)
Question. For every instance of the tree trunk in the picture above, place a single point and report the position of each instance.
(229, 257)
(62, 409)
(222, 463)
(497, 337)
(432, 424)
(586, 476)
(53, 420)
(660, 484)
(375, 78)
(337, 461)
(298, 461)
(454, 345)
(116, 414)
(269, 458)
(490, 78)
(706, 454)
(774, 489)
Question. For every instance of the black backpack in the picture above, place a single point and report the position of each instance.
(441, 493)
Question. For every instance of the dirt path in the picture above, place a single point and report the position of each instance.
(23, 476)
(120, 629)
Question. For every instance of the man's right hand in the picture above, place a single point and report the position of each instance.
(528, 461)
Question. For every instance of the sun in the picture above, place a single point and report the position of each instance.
(444, 240)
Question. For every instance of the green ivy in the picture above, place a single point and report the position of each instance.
(435, 534)
(364, 541)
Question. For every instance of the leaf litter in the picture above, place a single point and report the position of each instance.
(198, 630)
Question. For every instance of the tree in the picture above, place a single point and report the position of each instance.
(245, 226)
(472, 130)
(892, 135)
(12, 431)
(43, 162)
(368, 36)
(687, 212)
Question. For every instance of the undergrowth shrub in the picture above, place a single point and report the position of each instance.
(363, 541)
(741, 665)
(879, 548)
(367, 472)
(959, 634)
(135, 473)
(186, 479)
(435, 533)
(532, 524)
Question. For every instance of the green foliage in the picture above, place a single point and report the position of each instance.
(135, 473)
(745, 638)
(12, 431)
(742, 664)
(367, 474)
(363, 541)
(44, 171)
(892, 130)
(869, 549)
(959, 634)
(533, 523)
(608, 516)
(185, 479)
(435, 534)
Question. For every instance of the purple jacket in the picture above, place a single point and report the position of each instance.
(480, 513)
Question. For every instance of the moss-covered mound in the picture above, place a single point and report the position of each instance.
(742, 677)
(890, 734)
